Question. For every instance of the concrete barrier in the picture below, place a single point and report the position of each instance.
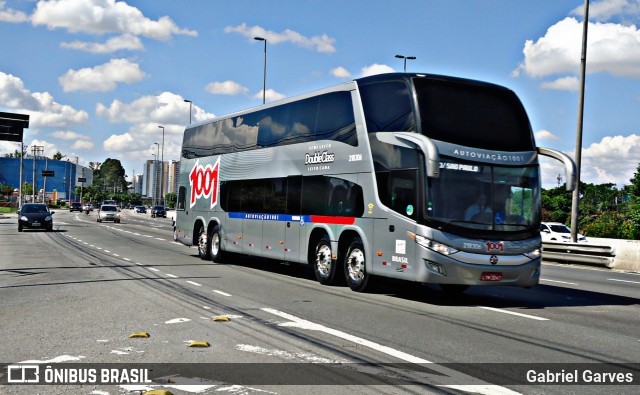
(627, 253)
(611, 253)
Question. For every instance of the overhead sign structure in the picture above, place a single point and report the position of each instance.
(12, 126)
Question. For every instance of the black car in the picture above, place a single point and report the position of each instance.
(140, 209)
(35, 216)
(158, 211)
(75, 206)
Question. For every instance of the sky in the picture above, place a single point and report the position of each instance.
(98, 77)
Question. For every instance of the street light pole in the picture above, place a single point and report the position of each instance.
(264, 77)
(153, 191)
(156, 171)
(578, 155)
(162, 167)
(190, 108)
(405, 60)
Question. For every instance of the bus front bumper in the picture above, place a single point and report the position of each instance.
(449, 271)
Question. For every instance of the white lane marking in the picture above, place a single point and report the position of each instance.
(177, 321)
(480, 388)
(556, 281)
(170, 275)
(61, 358)
(116, 255)
(194, 283)
(153, 269)
(304, 324)
(298, 356)
(127, 259)
(624, 281)
(106, 251)
(221, 293)
(533, 317)
(139, 264)
(157, 238)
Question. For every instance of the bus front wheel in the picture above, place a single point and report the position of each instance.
(355, 269)
(324, 266)
(203, 250)
(214, 244)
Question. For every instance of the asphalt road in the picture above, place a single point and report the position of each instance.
(75, 295)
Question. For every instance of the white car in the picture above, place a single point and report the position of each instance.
(109, 212)
(555, 231)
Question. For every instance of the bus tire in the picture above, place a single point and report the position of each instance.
(355, 270)
(324, 266)
(215, 245)
(203, 245)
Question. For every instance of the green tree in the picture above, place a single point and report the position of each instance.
(58, 156)
(170, 199)
(634, 188)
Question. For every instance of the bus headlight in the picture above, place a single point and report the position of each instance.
(533, 254)
(432, 245)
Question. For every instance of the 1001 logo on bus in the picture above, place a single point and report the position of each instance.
(204, 181)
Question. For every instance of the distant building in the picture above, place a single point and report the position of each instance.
(63, 182)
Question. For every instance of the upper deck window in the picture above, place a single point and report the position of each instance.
(473, 115)
(325, 117)
(387, 106)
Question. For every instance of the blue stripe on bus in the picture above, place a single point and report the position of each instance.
(270, 217)
(303, 219)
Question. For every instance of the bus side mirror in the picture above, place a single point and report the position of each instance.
(428, 147)
(569, 165)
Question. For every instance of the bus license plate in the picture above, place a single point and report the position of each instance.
(491, 276)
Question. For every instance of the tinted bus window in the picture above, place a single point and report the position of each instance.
(275, 195)
(480, 116)
(336, 120)
(387, 107)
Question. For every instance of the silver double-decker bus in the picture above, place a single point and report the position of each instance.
(419, 177)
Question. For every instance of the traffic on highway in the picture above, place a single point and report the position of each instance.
(89, 296)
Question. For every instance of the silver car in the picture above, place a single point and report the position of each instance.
(109, 212)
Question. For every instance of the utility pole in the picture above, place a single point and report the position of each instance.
(578, 155)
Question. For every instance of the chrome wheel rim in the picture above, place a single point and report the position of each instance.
(202, 242)
(323, 260)
(215, 244)
(355, 265)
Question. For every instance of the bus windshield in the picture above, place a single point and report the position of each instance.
(484, 197)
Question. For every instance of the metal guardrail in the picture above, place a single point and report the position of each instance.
(594, 254)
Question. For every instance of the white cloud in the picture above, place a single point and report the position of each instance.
(607, 9)
(612, 159)
(11, 15)
(102, 78)
(340, 72)
(83, 145)
(564, 84)
(229, 88)
(164, 109)
(44, 111)
(144, 116)
(270, 95)
(102, 17)
(376, 69)
(612, 48)
(546, 135)
(123, 42)
(68, 135)
(123, 142)
(322, 43)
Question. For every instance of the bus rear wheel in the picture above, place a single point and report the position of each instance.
(324, 266)
(215, 249)
(203, 249)
(355, 269)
